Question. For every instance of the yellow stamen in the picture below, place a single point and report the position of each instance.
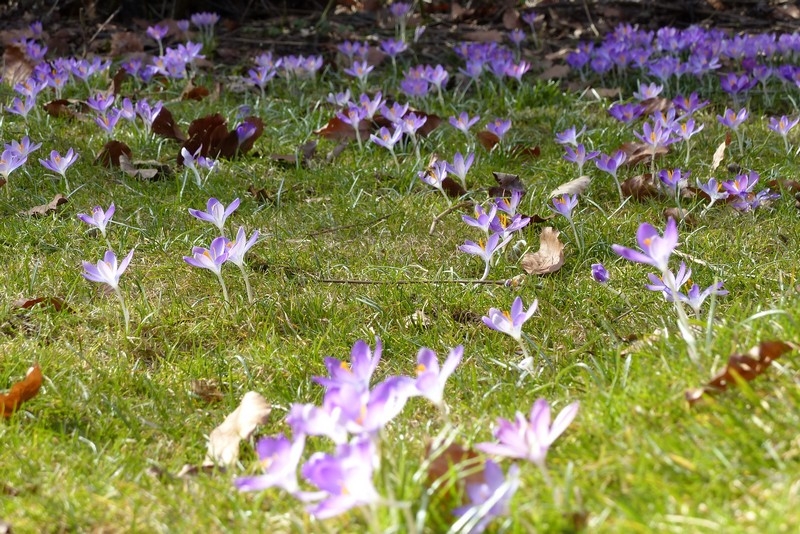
(421, 368)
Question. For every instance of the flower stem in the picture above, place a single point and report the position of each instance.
(224, 288)
(683, 320)
(247, 284)
(578, 242)
(125, 315)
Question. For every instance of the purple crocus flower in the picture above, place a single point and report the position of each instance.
(393, 47)
(430, 377)
(742, 184)
(714, 190)
(499, 127)
(24, 147)
(510, 322)
(611, 164)
(211, 258)
(344, 478)
(485, 250)
(564, 205)
(463, 122)
(656, 248)
(340, 99)
(734, 84)
(530, 439)
(99, 218)
(733, 119)
(488, 499)
(509, 205)
(674, 179)
(108, 121)
(461, 166)
(10, 161)
(359, 70)
(648, 91)
(100, 102)
(371, 105)
(157, 32)
(239, 247)
(279, 457)
(386, 138)
(669, 283)
(21, 106)
(751, 202)
(365, 413)
(505, 225)
(395, 113)
(782, 125)
(695, 298)
(59, 164)
(689, 104)
(312, 420)
(415, 87)
(204, 19)
(107, 271)
(579, 156)
(569, 136)
(216, 213)
(435, 176)
(482, 219)
(358, 373)
(626, 113)
(600, 273)
(400, 10)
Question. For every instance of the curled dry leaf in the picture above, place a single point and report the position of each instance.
(164, 125)
(744, 367)
(680, 215)
(550, 256)
(305, 153)
(22, 391)
(56, 303)
(338, 130)
(109, 156)
(719, 155)
(487, 139)
(641, 187)
(66, 108)
(17, 66)
(573, 187)
(44, 209)
(790, 186)
(223, 443)
(147, 174)
(207, 390)
(453, 188)
(506, 184)
(639, 152)
(2, 182)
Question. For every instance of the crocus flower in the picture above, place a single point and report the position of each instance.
(781, 126)
(204, 19)
(371, 105)
(505, 225)
(488, 499)
(648, 91)
(212, 259)
(236, 251)
(461, 166)
(626, 113)
(689, 104)
(733, 119)
(509, 205)
(9, 162)
(365, 413)
(529, 439)
(430, 377)
(463, 122)
(485, 250)
(59, 164)
(656, 249)
(216, 213)
(669, 283)
(564, 205)
(435, 175)
(344, 479)
(482, 219)
(24, 147)
(599, 273)
(579, 156)
(742, 184)
(569, 136)
(359, 70)
(510, 322)
(99, 218)
(674, 179)
(311, 420)
(358, 373)
(386, 138)
(279, 457)
(107, 271)
(695, 298)
(714, 191)
(499, 127)
(395, 113)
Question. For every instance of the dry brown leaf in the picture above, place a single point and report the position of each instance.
(110, 155)
(639, 152)
(526, 151)
(338, 130)
(56, 303)
(652, 105)
(165, 126)
(790, 186)
(680, 215)
(44, 209)
(457, 460)
(17, 66)
(554, 72)
(573, 187)
(506, 184)
(223, 443)
(745, 367)
(487, 139)
(66, 108)
(550, 256)
(641, 187)
(207, 390)
(22, 391)
(719, 155)
(2, 182)
(127, 166)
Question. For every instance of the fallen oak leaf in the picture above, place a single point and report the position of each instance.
(22, 391)
(744, 367)
(639, 152)
(550, 256)
(223, 442)
(165, 126)
(127, 166)
(44, 209)
(487, 139)
(338, 130)
(66, 108)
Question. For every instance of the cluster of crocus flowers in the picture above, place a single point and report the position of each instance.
(352, 413)
(222, 249)
(498, 225)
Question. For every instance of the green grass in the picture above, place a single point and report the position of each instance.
(99, 448)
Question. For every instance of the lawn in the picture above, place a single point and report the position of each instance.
(365, 249)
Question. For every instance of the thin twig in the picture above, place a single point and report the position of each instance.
(347, 281)
(446, 212)
(103, 25)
